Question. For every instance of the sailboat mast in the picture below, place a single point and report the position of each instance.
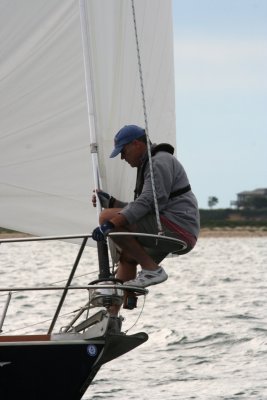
(104, 272)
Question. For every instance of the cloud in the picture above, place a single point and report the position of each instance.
(220, 64)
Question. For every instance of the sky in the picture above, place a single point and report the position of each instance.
(220, 52)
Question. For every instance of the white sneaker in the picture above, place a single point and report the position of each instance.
(148, 278)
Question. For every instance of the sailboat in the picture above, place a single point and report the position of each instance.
(70, 78)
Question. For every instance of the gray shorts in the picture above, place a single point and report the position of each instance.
(158, 248)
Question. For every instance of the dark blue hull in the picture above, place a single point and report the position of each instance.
(57, 370)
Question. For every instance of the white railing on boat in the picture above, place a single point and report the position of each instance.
(103, 292)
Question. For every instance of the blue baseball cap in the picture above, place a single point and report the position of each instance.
(126, 135)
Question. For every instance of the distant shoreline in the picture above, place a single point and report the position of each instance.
(233, 232)
(11, 235)
(204, 233)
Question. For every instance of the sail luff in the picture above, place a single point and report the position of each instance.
(89, 95)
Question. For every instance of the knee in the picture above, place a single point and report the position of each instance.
(104, 216)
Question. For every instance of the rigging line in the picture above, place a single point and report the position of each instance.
(61, 316)
(138, 317)
(146, 122)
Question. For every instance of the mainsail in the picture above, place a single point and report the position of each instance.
(46, 178)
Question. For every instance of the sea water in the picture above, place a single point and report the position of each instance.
(207, 324)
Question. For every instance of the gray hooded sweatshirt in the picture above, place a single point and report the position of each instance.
(169, 176)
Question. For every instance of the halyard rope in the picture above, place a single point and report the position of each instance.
(146, 122)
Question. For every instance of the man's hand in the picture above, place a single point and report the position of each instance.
(105, 199)
(102, 231)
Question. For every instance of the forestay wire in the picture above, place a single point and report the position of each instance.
(146, 122)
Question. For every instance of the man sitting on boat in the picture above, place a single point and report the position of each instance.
(177, 206)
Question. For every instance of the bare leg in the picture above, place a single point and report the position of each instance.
(126, 271)
(132, 254)
(129, 245)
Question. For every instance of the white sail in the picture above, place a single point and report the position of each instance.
(46, 178)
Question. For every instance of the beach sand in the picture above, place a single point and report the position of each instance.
(233, 232)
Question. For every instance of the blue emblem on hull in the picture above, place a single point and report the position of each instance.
(91, 350)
